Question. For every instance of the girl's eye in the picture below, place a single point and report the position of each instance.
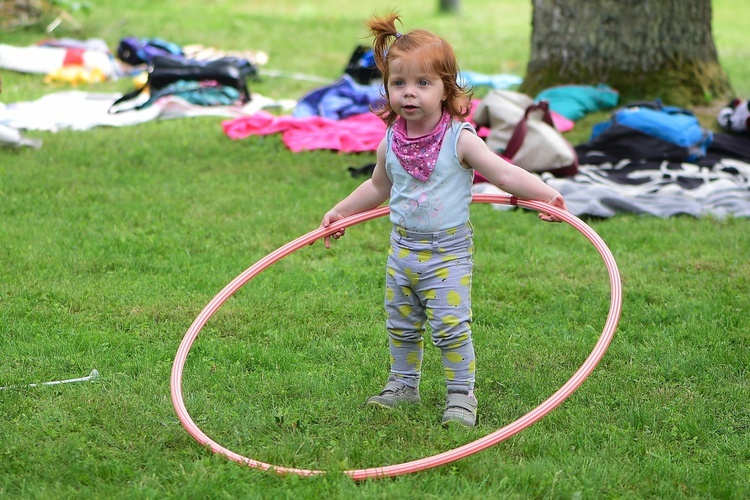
(423, 83)
(398, 83)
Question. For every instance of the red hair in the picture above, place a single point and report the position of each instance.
(433, 55)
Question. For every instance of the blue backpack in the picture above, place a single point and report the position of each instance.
(135, 51)
(649, 130)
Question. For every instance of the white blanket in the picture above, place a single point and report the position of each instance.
(79, 110)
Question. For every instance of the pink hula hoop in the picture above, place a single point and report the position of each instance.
(428, 462)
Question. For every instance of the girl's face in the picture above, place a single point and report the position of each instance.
(415, 97)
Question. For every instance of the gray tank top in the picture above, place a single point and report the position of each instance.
(442, 201)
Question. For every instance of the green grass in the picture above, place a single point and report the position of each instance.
(113, 240)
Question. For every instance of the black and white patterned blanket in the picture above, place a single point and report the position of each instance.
(717, 185)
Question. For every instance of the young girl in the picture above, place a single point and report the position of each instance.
(425, 165)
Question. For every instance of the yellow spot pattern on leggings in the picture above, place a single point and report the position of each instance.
(405, 310)
(424, 255)
(391, 272)
(430, 294)
(450, 320)
(449, 373)
(453, 298)
(413, 277)
(454, 357)
(442, 273)
(413, 358)
(472, 366)
(466, 280)
(389, 294)
(459, 341)
(403, 253)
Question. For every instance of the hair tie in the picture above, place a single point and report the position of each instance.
(398, 35)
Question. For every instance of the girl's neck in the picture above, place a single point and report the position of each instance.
(414, 129)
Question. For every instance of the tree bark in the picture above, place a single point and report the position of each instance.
(449, 6)
(645, 49)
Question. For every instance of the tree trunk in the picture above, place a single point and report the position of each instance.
(645, 49)
(449, 6)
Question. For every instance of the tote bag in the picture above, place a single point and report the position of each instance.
(522, 131)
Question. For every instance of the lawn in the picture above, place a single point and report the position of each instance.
(114, 240)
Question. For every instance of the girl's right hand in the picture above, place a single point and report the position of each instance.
(329, 218)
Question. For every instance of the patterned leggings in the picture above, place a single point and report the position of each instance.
(428, 280)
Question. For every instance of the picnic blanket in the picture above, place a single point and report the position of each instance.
(355, 134)
(716, 185)
(79, 110)
(358, 132)
(341, 99)
(662, 189)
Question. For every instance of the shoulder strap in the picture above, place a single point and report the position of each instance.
(519, 132)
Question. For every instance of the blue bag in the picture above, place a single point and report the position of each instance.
(649, 130)
(135, 51)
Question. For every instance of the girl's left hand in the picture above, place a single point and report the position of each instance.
(555, 201)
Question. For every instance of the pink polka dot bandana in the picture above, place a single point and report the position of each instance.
(418, 155)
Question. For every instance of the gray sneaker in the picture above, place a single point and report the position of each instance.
(460, 408)
(395, 393)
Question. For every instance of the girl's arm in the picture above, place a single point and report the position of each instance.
(370, 194)
(474, 153)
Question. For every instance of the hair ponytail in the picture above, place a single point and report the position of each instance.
(384, 34)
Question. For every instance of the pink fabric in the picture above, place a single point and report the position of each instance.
(482, 132)
(561, 123)
(418, 155)
(355, 134)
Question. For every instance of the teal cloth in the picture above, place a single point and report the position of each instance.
(576, 101)
(198, 93)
